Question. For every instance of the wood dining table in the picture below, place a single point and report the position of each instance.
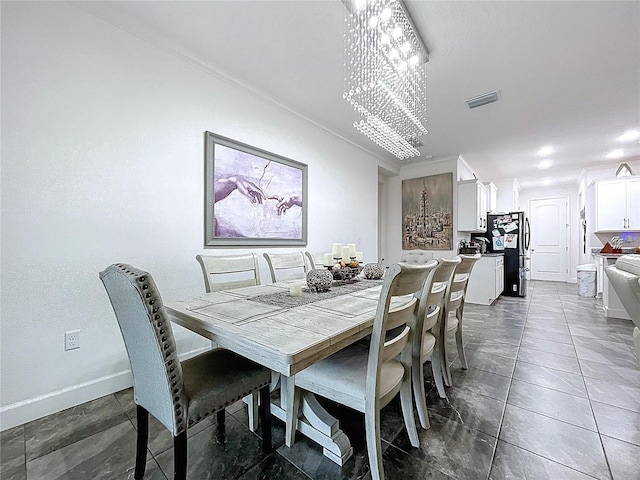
(286, 333)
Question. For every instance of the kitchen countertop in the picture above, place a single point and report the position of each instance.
(612, 255)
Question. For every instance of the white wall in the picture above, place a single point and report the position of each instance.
(393, 186)
(102, 162)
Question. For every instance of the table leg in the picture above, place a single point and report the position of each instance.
(312, 420)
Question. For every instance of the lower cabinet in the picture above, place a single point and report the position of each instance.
(487, 280)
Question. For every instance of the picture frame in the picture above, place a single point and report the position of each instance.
(427, 212)
(252, 197)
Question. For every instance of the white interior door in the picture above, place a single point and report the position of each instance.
(549, 252)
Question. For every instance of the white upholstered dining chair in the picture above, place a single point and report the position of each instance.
(286, 266)
(178, 394)
(367, 377)
(455, 309)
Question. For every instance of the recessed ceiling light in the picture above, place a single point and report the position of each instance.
(545, 164)
(546, 181)
(617, 153)
(546, 150)
(629, 136)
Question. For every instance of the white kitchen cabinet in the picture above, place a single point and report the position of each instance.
(472, 206)
(508, 196)
(617, 205)
(492, 197)
(487, 280)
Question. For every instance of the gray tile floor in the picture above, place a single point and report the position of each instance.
(552, 392)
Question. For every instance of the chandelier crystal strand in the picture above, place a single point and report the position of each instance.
(385, 81)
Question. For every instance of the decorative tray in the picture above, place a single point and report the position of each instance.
(345, 273)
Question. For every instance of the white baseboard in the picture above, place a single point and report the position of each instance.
(19, 413)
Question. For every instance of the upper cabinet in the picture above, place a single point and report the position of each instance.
(492, 197)
(617, 205)
(508, 196)
(472, 206)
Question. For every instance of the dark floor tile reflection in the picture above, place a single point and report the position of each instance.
(575, 447)
(551, 378)
(453, 449)
(552, 403)
(513, 463)
(552, 392)
(13, 450)
(64, 428)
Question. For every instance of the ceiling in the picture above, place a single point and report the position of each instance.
(568, 72)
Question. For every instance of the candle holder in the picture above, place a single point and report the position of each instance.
(345, 272)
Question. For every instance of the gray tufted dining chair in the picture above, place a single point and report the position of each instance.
(178, 394)
(416, 257)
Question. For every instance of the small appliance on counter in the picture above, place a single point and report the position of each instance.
(468, 248)
(481, 242)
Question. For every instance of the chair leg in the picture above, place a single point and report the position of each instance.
(265, 413)
(406, 400)
(142, 441)
(444, 361)
(252, 410)
(420, 396)
(221, 417)
(180, 456)
(374, 447)
(436, 369)
(459, 343)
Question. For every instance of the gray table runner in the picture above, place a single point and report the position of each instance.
(283, 299)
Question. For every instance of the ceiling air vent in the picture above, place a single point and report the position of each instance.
(483, 99)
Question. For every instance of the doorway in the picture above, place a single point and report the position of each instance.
(549, 249)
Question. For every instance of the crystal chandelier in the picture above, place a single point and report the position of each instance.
(385, 78)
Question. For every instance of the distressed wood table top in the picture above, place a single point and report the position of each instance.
(285, 336)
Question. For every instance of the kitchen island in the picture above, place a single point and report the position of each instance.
(613, 307)
(487, 279)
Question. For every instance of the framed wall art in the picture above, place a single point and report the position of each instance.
(427, 213)
(252, 197)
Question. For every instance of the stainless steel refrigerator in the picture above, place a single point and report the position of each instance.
(510, 233)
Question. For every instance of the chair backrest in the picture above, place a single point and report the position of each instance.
(434, 300)
(286, 266)
(148, 338)
(431, 300)
(416, 257)
(461, 279)
(225, 272)
(315, 260)
(400, 279)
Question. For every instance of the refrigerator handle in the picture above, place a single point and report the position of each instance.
(527, 233)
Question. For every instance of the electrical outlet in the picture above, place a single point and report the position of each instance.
(72, 340)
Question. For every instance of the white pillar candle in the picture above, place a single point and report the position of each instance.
(328, 259)
(295, 290)
(337, 250)
(345, 254)
(352, 249)
(359, 256)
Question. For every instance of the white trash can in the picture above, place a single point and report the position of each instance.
(586, 280)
